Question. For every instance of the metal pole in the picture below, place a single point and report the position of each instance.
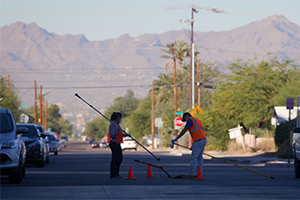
(41, 109)
(191, 62)
(298, 104)
(152, 114)
(193, 76)
(35, 104)
(175, 90)
(289, 139)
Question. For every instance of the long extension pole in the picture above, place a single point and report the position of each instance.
(77, 95)
(230, 163)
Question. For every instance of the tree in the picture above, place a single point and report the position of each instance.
(244, 96)
(181, 50)
(125, 105)
(10, 98)
(56, 122)
(140, 119)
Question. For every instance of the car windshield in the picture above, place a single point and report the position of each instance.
(51, 137)
(40, 129)
(6, 124)
(32, 133)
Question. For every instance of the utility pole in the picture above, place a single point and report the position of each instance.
(198, 84)
(8, 81)
(35, 104)
(192, 82)
(152, 114)
(46, 110)
(41, 108)
(175, 93)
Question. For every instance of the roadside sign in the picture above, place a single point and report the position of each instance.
(289, 103)
(24, 118)
(157, 121)
(24, 106)
(196, 110)
(235, 132)
(178, 122)
(179, 113)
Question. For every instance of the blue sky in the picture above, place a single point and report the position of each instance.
(100, 20)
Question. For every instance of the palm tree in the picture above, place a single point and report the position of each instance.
(177, 52)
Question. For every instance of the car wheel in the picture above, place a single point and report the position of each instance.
(56, 153)
(297, 167)
(24, 171)
(47, 159)
(42, 162)
(17, 177)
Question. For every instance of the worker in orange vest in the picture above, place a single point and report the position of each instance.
(196, 130)
(115, 138)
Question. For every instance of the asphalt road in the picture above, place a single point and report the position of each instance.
(80, 172)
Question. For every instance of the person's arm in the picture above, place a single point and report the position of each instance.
(113, 131)
(188, 125)
(182, 133)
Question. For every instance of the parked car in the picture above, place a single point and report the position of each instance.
(42, 132)
(36, 150)
(53, 143)
(296, 150)
(103, 145)
(95, 145)
(128, 143)
(12, 148)
(61, 144)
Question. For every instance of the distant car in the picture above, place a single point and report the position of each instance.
(65, 137)
(103, 145)
(95, 145)
(128, 143)
(42, 132)
(53, 143)
(12, 148)
(36, 150)
(296, 150)
(61, 144)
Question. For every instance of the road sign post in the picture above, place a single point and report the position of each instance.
(289, 106)
(178, 123)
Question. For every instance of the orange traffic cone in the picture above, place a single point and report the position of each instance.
(199, 174)
(130, 174)
(149, 172)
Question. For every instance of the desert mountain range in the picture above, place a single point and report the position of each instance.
(102, 70)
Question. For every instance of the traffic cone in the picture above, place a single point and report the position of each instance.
(199, 174)
(130, 174)
(149, 172)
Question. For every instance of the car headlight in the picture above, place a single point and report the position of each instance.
(9, 144)
(33, 144)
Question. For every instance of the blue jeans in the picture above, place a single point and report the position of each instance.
(196, 157)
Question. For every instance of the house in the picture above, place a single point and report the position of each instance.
(281, 114)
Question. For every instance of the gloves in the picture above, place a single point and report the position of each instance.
(191, 148)
(174, 140)
(127, 134)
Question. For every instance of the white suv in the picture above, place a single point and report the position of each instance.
(12, 148)
(128, 143)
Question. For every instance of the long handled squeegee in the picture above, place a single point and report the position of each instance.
(77, 95)
(229, 162)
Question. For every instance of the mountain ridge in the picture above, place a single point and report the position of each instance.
(45, 57)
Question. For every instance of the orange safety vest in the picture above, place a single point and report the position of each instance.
(197, 130)
(119, 136)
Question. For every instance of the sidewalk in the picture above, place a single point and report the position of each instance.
(269, 159)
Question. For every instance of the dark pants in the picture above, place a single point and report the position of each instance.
(116, 160)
